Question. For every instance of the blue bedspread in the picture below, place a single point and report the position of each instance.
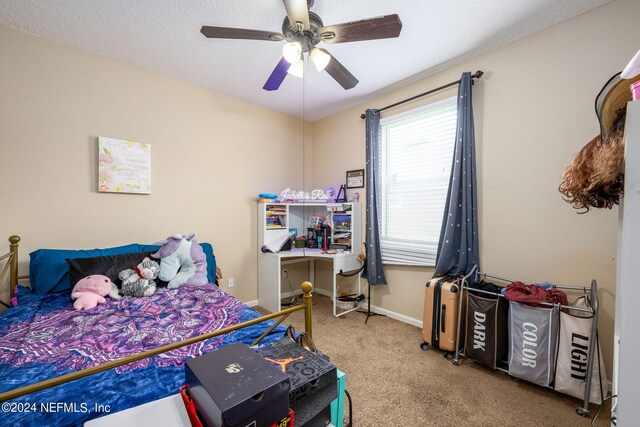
(44, 337)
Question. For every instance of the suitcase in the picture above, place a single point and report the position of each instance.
(440, 321)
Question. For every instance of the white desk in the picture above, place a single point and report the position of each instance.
(269, 276)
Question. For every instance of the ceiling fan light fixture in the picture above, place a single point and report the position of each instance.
(319, 58)
(297, 69)
(292, 51)
(302, 30)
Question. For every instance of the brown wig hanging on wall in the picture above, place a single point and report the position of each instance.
(595, 176)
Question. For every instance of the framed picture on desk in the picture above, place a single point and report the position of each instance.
(355, 178)
(314, 221)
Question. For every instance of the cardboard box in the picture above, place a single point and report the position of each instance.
(236, 387)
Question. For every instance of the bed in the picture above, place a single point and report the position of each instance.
(60, 366)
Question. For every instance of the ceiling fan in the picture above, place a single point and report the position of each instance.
(303, 30)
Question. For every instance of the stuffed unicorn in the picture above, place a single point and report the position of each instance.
(182, 261)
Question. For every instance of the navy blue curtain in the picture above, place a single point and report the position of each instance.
(458, 248)
(373, 271)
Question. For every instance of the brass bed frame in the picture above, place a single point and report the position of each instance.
(12, 266)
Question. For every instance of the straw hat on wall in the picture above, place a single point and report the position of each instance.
(612, 101)
(595, 176)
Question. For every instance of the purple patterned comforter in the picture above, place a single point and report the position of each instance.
(45, 337)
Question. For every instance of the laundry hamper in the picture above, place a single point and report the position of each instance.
(487, 338)
(345, 302)
(574, 345)
(533, 332)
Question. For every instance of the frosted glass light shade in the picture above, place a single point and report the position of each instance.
(292, 51)
(319, 58)
(297, 69)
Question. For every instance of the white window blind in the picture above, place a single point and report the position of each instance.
(416, 151)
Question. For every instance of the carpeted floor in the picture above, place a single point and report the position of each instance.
(394, 383)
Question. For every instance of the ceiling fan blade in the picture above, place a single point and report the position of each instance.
(382, 27)
(239, 33)
(277, 76)
(297, 12)
(340, 73)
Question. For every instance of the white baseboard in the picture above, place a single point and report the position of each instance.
(290, 294)
(324, 292)
(363, 305)
(299, 292)
(393, 315)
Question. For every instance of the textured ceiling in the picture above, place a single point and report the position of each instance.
(164, 36)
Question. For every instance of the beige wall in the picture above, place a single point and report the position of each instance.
(211, 155)
(533, 110)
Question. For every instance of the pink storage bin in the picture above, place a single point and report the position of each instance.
(635, 90)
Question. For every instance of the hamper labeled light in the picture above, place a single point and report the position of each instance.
(574, 345)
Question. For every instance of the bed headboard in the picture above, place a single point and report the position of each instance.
(11, 265)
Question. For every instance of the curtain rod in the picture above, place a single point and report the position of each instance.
(475, 75)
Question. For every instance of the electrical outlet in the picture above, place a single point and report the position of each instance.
(230, 282)
(285, 272)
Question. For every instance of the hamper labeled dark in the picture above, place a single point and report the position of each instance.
(487, 336)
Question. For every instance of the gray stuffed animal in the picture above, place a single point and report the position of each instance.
(141, 281)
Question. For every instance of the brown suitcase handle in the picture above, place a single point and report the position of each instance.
(443, 316)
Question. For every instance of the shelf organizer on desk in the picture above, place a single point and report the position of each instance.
(346, 233)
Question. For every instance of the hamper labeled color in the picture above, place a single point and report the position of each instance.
(574, 345)
(533, 332)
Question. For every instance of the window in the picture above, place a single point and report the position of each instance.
(416, 151)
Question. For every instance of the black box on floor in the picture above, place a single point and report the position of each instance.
(321, 419)
(309, 372)
(235, 386)
(315, 410)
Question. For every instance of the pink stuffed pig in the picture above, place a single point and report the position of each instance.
(90, 291)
